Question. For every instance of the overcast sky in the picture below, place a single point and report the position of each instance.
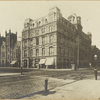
(13, 14)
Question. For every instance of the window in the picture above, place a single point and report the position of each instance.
(25, 53)
(43, 51)
(39, 22)
(43, 40)
(14, 55)
(37, 41)
(31, 42)
(63, 52)
(46, 21)
(37, 52)
(8, 49)
(51, 38)
(2, 47)
(43, 30)
(8, 56)
(60, 51)
(51, 51)
(3, 54)
(31, 52)
(36, 32)
(33, 24)
(2, 62)
(25, 44)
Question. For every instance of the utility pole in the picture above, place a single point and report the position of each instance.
(21, 55)
(78, 53)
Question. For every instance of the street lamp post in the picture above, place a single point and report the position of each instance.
(95, 59)
(95, 70)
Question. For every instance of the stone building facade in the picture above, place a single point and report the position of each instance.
(2, 39)
(11, 39)
(7, 46)
(54, 41)
(17, 54)
(3, 53)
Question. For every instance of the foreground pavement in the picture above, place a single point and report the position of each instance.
(82, 89)
(62, 84)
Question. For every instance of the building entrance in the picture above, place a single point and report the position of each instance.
(25, 63)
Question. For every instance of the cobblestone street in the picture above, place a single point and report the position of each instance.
(20, 86)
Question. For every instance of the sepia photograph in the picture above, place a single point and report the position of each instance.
(50, 50)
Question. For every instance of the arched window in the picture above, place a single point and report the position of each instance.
(31, 52)
(37, 52)
(43, 51)
(43, 40)
(39, 22)
(25, 53)
(37, 41)
(46, 21)
(51, 38)
(51, 51)
(33, 24)
(25, 44)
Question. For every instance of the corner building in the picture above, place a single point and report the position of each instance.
(53, 41)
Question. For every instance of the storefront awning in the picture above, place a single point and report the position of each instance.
(13, 62)
(50, 61)
(42, 61)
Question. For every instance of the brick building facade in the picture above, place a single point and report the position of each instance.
(54, 41)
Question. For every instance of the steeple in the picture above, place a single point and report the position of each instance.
(5, 32)
(9, 30)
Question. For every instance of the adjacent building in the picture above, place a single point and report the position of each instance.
(53, 41)
(95, 51)
(2, 50)
(8, 44)
(16, 54)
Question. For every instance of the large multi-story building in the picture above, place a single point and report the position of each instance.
(55, 41)
(8, 44)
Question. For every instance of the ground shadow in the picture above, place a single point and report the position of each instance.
(44, 93)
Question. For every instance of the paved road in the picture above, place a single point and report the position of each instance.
(32, 80)
(14, 69)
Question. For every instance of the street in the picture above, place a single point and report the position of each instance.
(32, 80)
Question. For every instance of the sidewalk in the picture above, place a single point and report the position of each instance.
(66, 69)
(83, 89)
(9, 74)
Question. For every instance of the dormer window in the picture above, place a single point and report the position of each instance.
(33, 24)
(70, 25)
(2, 47)
(39, 22)
(45, 20)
